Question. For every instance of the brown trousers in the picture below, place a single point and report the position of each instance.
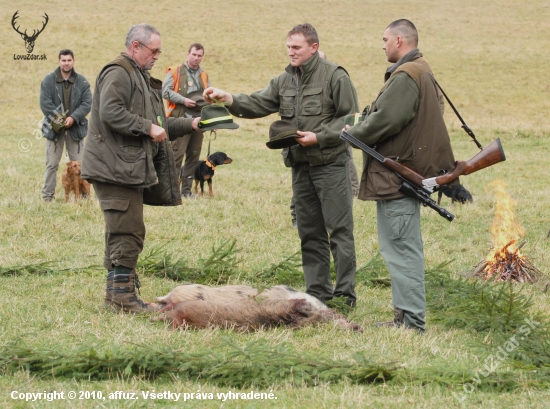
(124, 227)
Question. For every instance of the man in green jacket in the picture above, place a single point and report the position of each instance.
(128, 160)
(405, 123)
(316, 95)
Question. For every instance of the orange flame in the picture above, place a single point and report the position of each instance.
(506, 231)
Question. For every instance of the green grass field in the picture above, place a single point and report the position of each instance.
(491, 59)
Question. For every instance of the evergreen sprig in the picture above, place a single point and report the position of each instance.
(374, 273)
(217, 268)
(256, 363)
(287, 271)
(469, 304)
(43, 268)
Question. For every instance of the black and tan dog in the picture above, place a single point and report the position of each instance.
(205, 170)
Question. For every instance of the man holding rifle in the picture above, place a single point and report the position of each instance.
(405, 123)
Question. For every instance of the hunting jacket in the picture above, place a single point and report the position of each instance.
(51, 102)
(316, 98)
(119, 149)
(405, 123)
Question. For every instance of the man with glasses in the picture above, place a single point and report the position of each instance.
(181, 85)
(128, 160)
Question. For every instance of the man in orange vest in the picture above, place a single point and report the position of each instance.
(182, 89)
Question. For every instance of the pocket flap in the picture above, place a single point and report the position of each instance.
(312, 91)
(287, 92)
(131, 157)
(114, 204)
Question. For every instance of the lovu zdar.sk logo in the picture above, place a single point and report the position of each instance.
(29, 39)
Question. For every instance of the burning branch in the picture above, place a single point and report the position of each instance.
(508, 266)
(505, 262)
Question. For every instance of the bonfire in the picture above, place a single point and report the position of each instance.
(505, 262)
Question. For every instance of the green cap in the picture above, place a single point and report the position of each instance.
(216, 117)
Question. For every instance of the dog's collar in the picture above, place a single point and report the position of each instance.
(209, 164)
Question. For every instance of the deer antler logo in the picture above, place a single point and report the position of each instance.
(29, 40)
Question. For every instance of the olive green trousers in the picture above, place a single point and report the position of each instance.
(324, 201)
(188, 146)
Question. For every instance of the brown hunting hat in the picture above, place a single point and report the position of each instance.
(216, 117)
(199, 100)
(282, 134)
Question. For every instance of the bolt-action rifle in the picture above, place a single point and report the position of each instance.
(419, 187)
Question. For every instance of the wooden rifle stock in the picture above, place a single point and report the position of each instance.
(489, 156)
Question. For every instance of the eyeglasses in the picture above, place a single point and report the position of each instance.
(157, 51)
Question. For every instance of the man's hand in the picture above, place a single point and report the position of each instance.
(195, 124)
(69, 121)
(189, 103)
(345, 128)
(212, 94)
(307, 138)
(157, 133)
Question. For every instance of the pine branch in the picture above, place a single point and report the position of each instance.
(468, 304)
(44, 268)
(217, 268)
(286, 271)
(374, 273)
(256, 363)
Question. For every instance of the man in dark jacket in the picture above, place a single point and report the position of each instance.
(128, 159)
(316, 95)
(65, 100)
(406, 124)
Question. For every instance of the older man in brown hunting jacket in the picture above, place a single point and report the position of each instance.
(128, 160)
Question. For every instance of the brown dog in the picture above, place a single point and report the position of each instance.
(72, 182)
(242, 308)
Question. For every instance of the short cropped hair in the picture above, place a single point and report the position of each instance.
(307, 30)
(196, 46)
(141, 33)
(406, 29)
(65, 52)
